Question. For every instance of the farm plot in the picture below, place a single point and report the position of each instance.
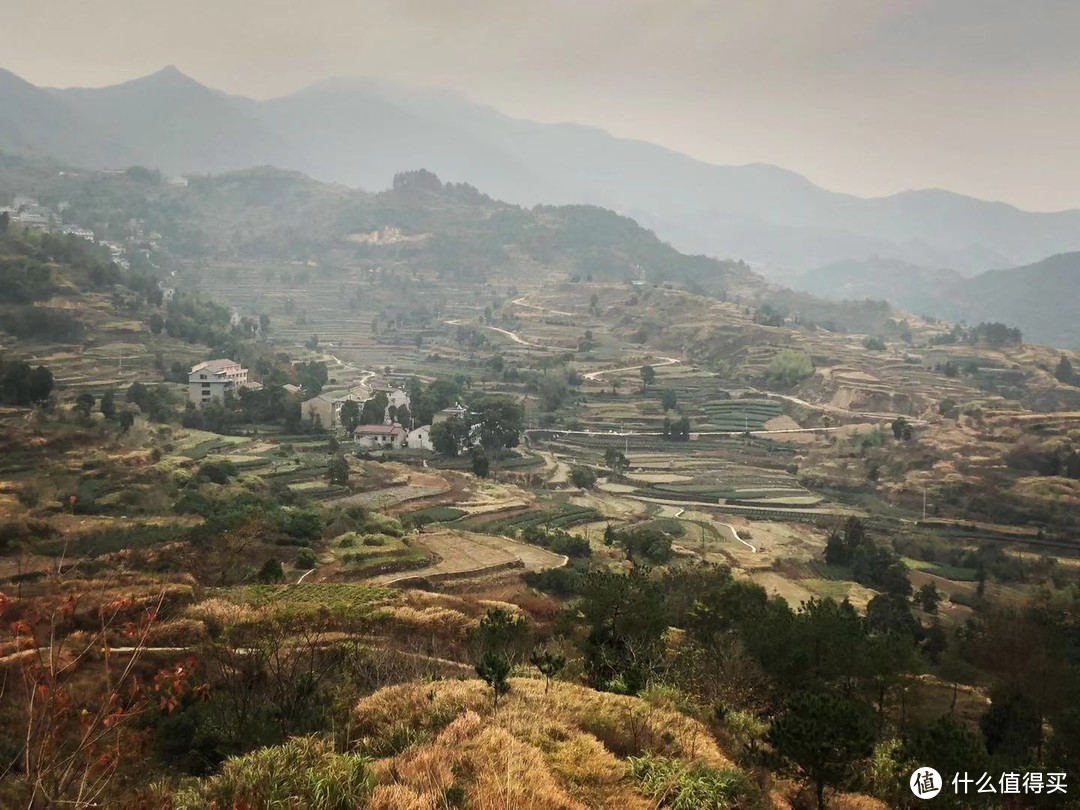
(739, 414)
(391, 496)
(465, 553)
(561, 516)
(339, 597)
(362, 556)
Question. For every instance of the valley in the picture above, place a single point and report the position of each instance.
(637, 465)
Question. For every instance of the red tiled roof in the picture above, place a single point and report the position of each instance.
(378, 430)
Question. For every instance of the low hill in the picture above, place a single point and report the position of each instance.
(1043, 299)
(908, 286)
(1040, 299)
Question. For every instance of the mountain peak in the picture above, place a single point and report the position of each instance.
(170, 74)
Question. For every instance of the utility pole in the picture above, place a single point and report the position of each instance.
(924, 504)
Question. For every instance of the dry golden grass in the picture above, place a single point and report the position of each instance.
(430, 621)
(400, 797)
(176, 632)
(564, 748)
(222, 613)
(502, 771)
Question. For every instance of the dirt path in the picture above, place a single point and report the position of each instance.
(735, 535)
(594, 376)
(521, 303)
(559, 470)
(514, 336)
(879, 415)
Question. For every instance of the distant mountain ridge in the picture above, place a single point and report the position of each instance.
(361, 132)
(1042, 299)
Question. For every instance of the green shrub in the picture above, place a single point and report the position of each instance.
(399, 737)
(217, 472)
(583, 477)
(435, 514)
(383, 524)
(304, 772)
(305, 559)
(697, 787)
(788, 368)
(965, 599)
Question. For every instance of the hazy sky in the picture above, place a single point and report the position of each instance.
(866, 96)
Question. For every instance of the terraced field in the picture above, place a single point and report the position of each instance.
(464, 554)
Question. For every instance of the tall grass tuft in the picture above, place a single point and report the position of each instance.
(305, 773)
(679, 786)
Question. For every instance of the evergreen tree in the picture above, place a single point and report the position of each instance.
(822, 734)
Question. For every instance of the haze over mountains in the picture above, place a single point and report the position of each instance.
(361, 132)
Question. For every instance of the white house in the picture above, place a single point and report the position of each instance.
(380, 437)
(449, 413)
(420, 438)
(395, 398)
(211, 379)
(327, 407)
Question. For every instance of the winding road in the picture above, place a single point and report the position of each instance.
(521, 303)
(594, 376)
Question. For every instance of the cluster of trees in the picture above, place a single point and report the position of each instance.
(24, 280)
(871, 564)
(491, 426)
(642, 545)
(42, 323)
(427, 400)
(155, 402)
(788, 368)
(558, 540)
(902, 429)
(21, 384)
(616, 461)
(122, 416)
(195, 319)
(28, 275)
(995, 334)
(828, 682)
(583, 477)
(767, 315)
(1045, 458)
(992, 334)
(677, 430)
(1065, 373)
(267, 405)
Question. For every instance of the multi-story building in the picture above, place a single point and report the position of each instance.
(211, 379)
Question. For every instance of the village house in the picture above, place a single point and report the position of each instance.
(325, 409)
(380, 437)
(212, 378)
(395, 398)
(420, 438)
(449, 413)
